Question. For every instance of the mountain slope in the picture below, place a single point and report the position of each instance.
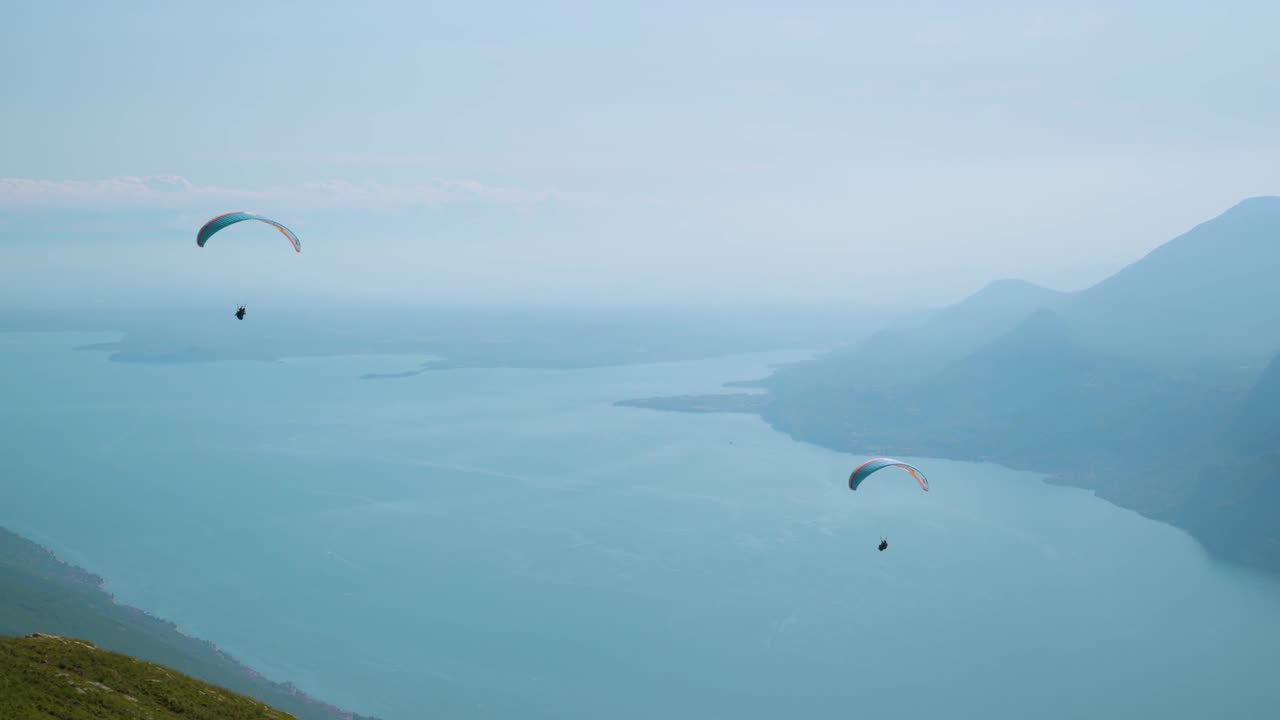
(1034, 398)
(39, 593)
(1234, 505)
(1209, 295)
(1257, 426)
(908, 353)
(65, 679)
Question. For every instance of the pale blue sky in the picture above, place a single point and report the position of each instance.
(601, 152)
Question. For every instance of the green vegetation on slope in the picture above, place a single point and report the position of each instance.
(40, 594)
(56, 678)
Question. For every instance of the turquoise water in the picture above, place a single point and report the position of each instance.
(507, 543)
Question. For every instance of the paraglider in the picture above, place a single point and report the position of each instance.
(231, 218)
(225, 220)
(863, 471)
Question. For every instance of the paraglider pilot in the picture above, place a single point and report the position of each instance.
(884, 543)
(240, 313)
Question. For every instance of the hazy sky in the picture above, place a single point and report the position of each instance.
(595, 151)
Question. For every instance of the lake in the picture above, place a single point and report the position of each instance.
(484, 543)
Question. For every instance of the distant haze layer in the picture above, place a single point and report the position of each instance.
(574, 153)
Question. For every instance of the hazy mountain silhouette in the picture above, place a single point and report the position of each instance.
(1129, 387)
(1257, 427)
(1233, 507)
(1148, 388)
(1208, 296)
(911, 352)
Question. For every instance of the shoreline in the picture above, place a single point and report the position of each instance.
(67, 573)
(1102, 487)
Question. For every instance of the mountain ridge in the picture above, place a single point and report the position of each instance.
(1130, 388)
(903, 354)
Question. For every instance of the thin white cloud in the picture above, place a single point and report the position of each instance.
(173, 191)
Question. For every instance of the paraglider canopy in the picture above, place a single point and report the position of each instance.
(231, 218)
(863, 471)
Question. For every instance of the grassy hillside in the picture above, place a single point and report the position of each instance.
(40, 594)
(56, 678)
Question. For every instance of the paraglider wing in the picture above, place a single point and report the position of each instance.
(231, 218)
(863, 471)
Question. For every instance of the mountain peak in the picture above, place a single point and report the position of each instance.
(999, 303)
(1012, 285)
(1007, 290)
(1257, 202)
